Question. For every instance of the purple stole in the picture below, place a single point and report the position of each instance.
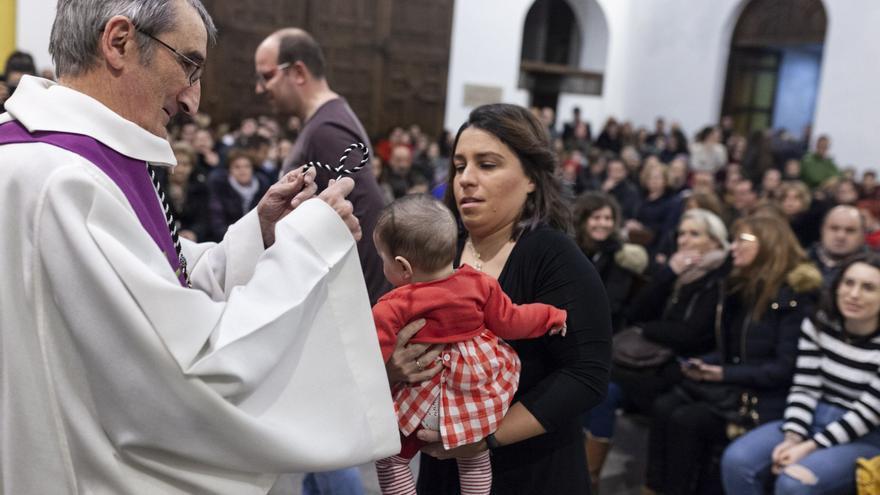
(128, 174)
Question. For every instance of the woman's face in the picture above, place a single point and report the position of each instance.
(792, 204)
(771, 181)
(490, 185)
(616, 170)
(242, 170)
(600, 224)
(656, 182)
(744, 248)
(858, 295)
(692, 236)
(183, 170)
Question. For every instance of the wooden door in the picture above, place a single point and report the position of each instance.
(388, 58)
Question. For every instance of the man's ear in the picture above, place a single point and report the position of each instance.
(300, 73)
(405, 266)
(117, 41)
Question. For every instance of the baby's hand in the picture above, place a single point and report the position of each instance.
(558, 331)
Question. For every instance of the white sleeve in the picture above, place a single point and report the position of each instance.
(216, 268)
(284, 374)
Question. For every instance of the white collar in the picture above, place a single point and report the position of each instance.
(42, 105)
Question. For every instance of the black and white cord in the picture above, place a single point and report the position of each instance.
(341, 170)
(172, 223)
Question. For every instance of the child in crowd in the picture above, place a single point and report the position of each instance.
(466, 311)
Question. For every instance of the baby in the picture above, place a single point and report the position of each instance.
(466, 311)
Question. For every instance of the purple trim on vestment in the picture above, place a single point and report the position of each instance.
(128, 174)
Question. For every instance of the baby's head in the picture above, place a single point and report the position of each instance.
(416, 237)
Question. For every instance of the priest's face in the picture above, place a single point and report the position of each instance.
(162, 87)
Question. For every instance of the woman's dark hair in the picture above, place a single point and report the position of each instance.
(517, 128)
(704, 133)
(20, 62)
(587, 204)
(828, 305)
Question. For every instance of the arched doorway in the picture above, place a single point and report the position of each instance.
(774, 65)
(552, 57)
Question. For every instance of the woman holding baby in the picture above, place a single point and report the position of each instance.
(503, 190)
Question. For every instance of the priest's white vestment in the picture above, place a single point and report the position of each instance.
(115, 379)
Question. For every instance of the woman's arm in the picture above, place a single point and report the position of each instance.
(564, 278)
(649, 302)
(693, 333)
(806, 388)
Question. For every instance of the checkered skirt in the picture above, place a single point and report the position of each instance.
(475, 386)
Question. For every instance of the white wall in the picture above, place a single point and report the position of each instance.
(675, 60)
(848, 108)
(594, 58)
(33, 25)
(486, 48)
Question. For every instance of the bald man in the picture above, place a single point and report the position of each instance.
(291, 76)
(843, 235)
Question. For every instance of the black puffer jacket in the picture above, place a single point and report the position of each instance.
(682, 320)
(760, 355)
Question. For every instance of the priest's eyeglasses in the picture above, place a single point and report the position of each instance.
(192, 68)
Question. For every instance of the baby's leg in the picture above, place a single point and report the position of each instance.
(475, 474)
(395, 477)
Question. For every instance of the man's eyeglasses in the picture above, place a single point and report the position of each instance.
(263, 78)
(192, 68)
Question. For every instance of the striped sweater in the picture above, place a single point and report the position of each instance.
(839, 370)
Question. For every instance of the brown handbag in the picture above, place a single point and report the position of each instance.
(632, 350)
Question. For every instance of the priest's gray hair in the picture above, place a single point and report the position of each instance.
(79, 23)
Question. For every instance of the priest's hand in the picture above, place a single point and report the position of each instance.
(334, 195)
(285, 195)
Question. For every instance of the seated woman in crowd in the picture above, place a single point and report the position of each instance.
(658, 213)
(188, 195)
(705, 199)
(676, 310)
(831, 418)
(238, 194)
(802, 213)
(617, 184)
(502, 189)
(597, 231)
(761, 305)
(707, 152)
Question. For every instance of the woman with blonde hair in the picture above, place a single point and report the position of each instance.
(673, 316)
(744, 382)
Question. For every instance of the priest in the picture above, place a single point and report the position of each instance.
(132, 361)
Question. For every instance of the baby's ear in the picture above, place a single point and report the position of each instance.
(405, 266)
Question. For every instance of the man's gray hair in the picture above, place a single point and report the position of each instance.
(79, 23)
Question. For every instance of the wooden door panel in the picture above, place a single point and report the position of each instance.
(388, 58)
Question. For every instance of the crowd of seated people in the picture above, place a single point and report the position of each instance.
(713, 251)
(707, 333)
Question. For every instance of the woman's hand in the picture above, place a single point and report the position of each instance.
(434, 448)
(794, 454)
(682, 260)
(412, 363)
(697, 370)
(791, 439)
